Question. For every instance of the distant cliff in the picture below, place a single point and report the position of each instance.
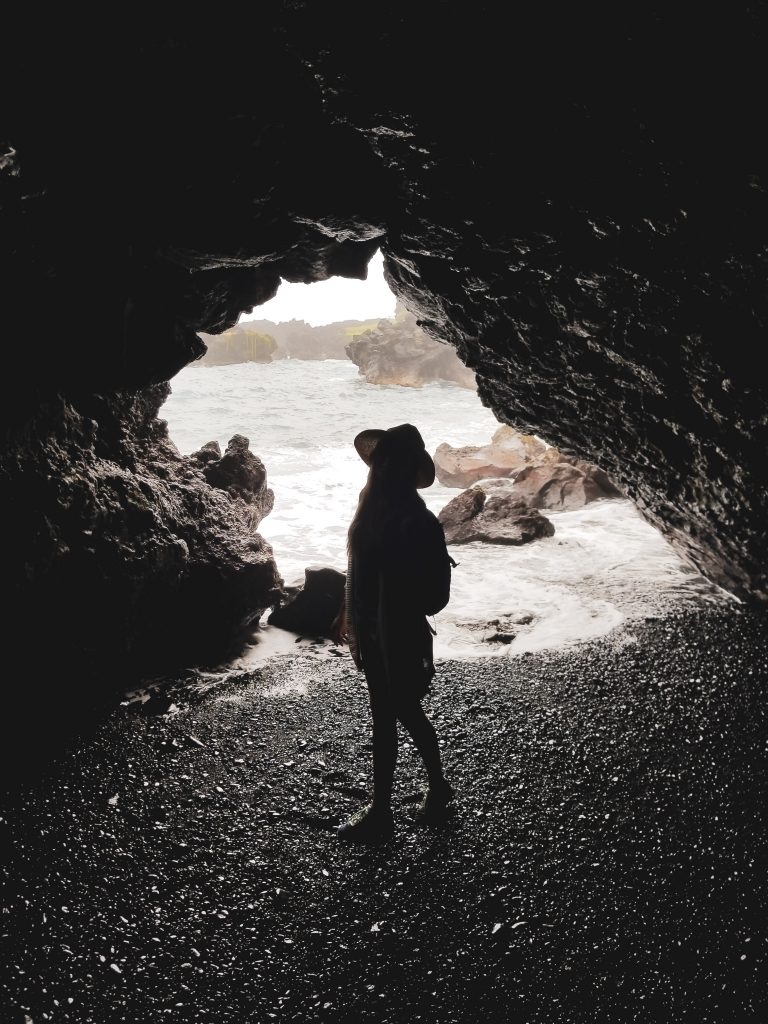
(399, 352)
(386, 351)
(261, 341)
(241, 344)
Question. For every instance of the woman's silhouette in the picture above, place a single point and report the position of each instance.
(395, 546)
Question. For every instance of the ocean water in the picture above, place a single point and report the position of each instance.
(604, 568)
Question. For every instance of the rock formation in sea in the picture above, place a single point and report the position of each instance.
(484, 513)
(506, 454)
(584, 223)
(524, 467)
(398, 351)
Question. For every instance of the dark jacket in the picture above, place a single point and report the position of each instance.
(385, 601)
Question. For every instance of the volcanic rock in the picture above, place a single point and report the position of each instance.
(240, 473)
(133, 558)
(312, 606)
(210, 452)
(496, 518)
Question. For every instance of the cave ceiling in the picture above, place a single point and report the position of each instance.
(575, 200)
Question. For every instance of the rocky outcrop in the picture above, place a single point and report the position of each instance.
(239, 472)
(492, 517)
(310, 607)
(506, 454)
(399, 352)
(132, 559)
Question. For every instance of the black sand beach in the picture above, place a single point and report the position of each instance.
(607, 861)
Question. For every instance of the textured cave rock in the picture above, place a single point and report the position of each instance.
(238, 472)
(578, 203)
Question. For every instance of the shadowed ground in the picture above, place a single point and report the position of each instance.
(607, 861)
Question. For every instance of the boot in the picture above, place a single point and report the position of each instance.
(437, 804)
(368, 825)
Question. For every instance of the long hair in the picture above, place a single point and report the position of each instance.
(389, 495)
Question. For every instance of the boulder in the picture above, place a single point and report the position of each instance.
(493, 517)
(507, 452)
(311, 607)
(563, 485)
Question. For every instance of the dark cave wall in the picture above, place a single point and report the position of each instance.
(586, 217)
(126, 559)
(578, 202)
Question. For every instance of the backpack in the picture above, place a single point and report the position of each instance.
(434, 566)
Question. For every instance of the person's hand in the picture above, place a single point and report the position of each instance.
(339, 627)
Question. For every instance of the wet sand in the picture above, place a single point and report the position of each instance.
(607, 861)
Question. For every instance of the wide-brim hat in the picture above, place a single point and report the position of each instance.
(403, 441)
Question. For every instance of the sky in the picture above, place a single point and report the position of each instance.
(330, 301)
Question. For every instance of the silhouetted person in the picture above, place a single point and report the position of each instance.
(398, 572)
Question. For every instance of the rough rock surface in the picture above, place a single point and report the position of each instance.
(585, 223)
(238, 472)
(399, 352)
(480, 514)
(133, 559)
(310, 607)
(507, 452)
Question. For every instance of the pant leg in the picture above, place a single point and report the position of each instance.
(384, 720)
(414, 720)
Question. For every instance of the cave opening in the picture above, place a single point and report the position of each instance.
(301, 375)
